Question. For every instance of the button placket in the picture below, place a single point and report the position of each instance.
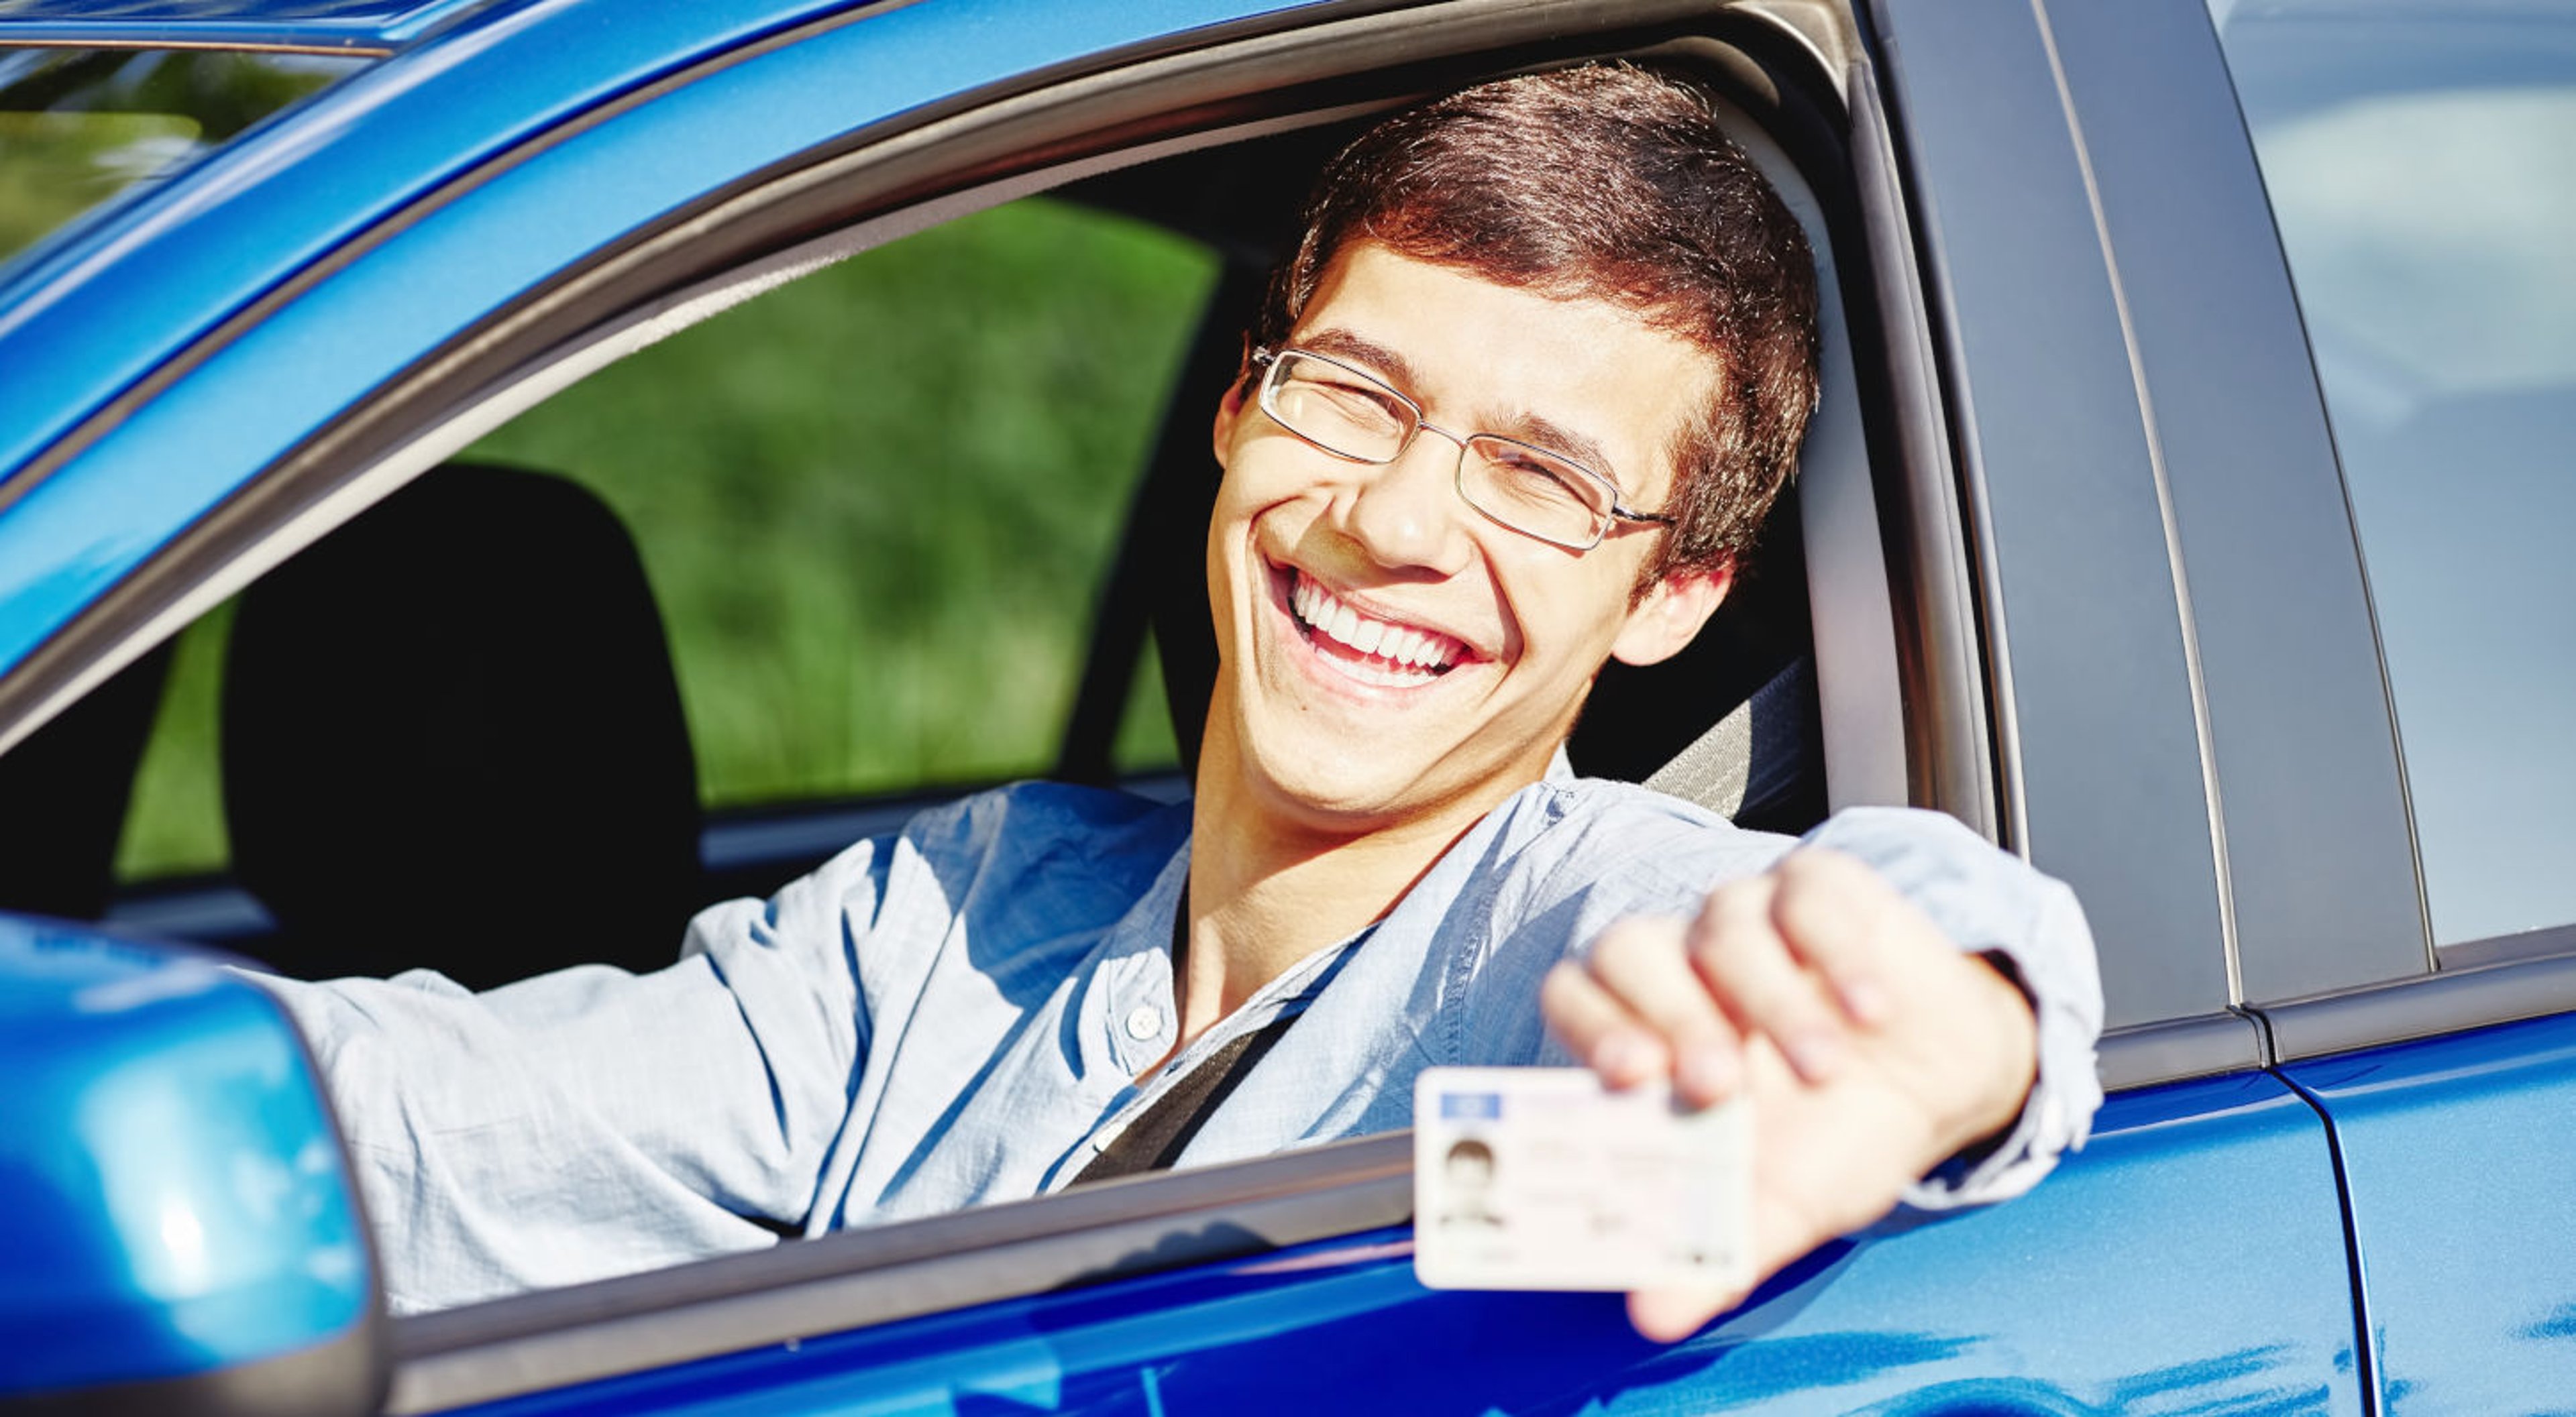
(1138, 1025)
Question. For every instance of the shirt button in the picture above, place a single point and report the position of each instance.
(1145, 1022)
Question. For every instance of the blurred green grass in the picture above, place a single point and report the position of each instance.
(876, 506)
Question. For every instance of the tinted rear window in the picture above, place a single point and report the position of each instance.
(2421, 160)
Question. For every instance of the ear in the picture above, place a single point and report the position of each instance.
(1229, 410)
(1670, 614)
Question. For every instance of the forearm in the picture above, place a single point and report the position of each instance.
(568, 1128)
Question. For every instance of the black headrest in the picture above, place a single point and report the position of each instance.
(452, 738)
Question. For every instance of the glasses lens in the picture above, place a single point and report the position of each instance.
(1337, 409)
(1534, 491)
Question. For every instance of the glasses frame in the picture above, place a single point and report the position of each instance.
(1269, 361)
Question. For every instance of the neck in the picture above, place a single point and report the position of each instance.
(1270, 888)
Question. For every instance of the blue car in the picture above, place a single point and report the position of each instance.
(392, 456)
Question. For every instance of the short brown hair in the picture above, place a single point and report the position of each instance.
(1609, 182)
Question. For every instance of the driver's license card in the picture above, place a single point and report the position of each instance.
(1541, 1178)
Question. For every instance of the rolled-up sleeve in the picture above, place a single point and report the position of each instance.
(593, 1122)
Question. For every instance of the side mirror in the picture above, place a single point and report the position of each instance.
(179, 1232)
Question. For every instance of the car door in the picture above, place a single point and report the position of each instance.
(2016, 512)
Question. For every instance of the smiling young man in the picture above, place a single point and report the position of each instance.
(1515, 407)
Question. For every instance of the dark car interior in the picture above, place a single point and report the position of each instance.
(491, 775)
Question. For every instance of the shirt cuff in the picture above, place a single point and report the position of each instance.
(2057, 1116)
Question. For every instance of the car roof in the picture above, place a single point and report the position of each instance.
(333, 26)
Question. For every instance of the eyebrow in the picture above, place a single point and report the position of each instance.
(1535, 429)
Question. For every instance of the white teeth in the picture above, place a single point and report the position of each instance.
(1422, 651)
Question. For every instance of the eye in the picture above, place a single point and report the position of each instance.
(1348, 394)
(1534, 476)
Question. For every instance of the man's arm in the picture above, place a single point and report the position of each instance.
(593, 1122)
(1886, 1058)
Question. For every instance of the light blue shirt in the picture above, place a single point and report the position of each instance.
(955, 1014)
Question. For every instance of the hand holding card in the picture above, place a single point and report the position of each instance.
(1866, 1046)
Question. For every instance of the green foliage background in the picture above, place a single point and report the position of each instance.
(876, 506)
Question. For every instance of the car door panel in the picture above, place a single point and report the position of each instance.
(2455, 1158)
(2120, 1286)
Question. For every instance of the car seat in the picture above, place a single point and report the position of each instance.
(452, 738)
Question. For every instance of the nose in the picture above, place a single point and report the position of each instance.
(1407, 514)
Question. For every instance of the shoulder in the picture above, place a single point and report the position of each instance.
(1053, 830)
(1591, 836)
(1029, 853)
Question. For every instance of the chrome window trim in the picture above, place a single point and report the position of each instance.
(1960, 753)
(2146, 1055)
(2405, 1010)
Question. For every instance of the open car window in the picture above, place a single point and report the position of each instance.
(873, 511)
(780, 672)
(1347, 1190)
(894, 521)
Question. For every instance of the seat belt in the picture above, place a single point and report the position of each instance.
(1163, 1130)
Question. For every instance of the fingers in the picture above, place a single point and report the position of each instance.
(1837, 914)
(1599, 1023)
(1792, 955)
(1599, 1030)
(1798, 975)
(1745, 964)
(1635, 1010)
(1799, 954)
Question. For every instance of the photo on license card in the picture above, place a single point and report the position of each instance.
(1540, 1178)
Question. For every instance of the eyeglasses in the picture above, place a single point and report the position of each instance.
(1358, 416)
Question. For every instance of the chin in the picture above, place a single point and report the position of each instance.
(1313, 789)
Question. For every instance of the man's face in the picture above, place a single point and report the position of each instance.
(1512, 628)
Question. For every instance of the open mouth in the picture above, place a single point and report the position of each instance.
(1371, 650)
